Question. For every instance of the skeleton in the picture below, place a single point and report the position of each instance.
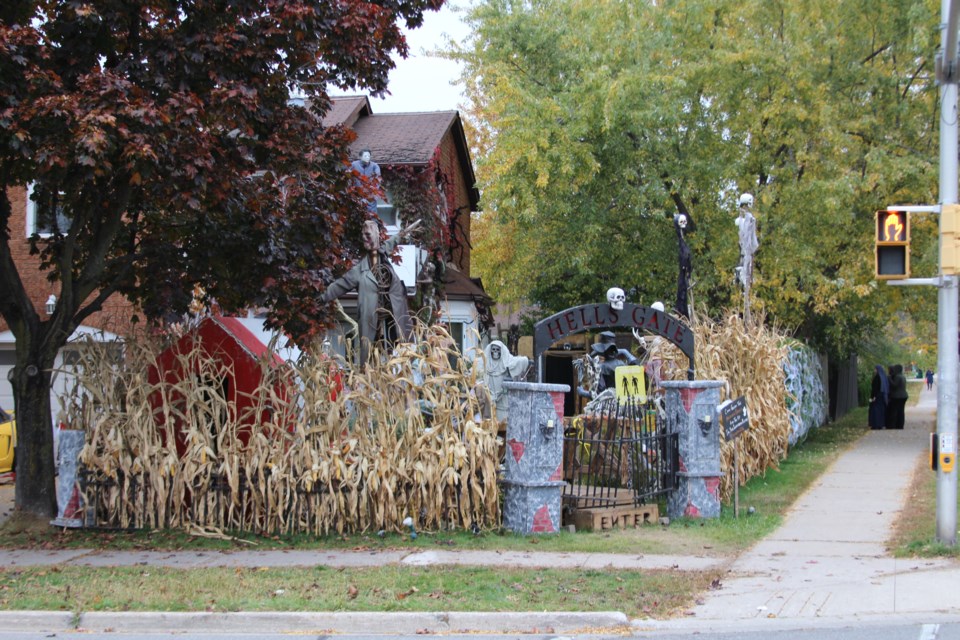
(588, 372)
(615, 298)
(747, 232)
(644, 349)
(749, 243)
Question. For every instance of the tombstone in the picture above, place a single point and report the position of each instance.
(69, 510)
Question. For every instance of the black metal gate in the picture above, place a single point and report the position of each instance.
(619, 454)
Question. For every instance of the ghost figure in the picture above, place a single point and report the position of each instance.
(615, 298)
(501, 366)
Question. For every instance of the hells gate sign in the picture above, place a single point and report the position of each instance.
(592, 317)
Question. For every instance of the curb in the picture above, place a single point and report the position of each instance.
(319, 623)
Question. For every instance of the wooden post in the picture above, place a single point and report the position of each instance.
(736, 482)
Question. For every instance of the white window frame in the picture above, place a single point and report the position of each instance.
(387, 201)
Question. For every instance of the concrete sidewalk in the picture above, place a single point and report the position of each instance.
(827, 564)
(354, 559)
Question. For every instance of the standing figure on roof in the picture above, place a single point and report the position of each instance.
(381, 294)
(370, 171)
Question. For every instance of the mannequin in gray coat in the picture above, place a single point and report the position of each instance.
(381, 294)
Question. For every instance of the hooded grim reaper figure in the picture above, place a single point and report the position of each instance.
(682, 224)
(499, 366)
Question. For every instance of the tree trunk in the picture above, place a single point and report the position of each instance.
(36, 487)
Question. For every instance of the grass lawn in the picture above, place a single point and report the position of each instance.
(392, 588)
(916, 529)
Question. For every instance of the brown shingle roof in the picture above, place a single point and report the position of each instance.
(347, 110)
(402, 138)
(458, 286)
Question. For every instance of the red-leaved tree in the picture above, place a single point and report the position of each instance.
(163, 134)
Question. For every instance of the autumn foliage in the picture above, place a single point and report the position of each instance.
(164, 135)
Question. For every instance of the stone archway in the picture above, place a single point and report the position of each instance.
(593, 317)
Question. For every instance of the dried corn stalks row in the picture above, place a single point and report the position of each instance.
(750, 359)
(330, 449)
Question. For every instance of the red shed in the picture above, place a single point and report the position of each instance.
(224, 351)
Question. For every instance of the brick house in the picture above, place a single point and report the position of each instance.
(432, 148)
(108, 324)
(405, 145)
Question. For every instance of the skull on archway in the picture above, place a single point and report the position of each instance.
(615, 298)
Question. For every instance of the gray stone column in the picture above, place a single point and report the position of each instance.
(692, 414)
(533, 469)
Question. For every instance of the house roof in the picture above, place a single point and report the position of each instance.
(347, 110)
(402, 138)
(458, 285)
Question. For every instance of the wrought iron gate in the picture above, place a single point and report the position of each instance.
(619, 454)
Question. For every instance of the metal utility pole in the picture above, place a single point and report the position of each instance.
(947, 298)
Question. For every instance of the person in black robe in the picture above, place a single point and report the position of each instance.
(879, 398)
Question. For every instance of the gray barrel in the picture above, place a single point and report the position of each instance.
(534, 432)
(533, 470)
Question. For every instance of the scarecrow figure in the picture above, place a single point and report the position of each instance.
(381, 294)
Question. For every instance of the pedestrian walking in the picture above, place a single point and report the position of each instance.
(879, 398)
(929, 379)
(898, 397)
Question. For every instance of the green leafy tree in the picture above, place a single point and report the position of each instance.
(163, 132)
(597, 121)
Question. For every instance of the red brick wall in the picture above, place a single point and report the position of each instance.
(117, 311)
(458, 198)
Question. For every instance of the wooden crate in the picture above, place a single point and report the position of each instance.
(602, 518)
(589, 497)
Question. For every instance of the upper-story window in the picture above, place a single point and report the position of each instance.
(45, 219)
(388, 214)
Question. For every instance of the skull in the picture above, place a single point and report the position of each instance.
(681, 220)
(616, 298)
(746, 200)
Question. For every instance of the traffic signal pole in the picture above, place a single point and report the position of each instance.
(948, 302)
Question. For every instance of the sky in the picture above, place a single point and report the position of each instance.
(422, 82)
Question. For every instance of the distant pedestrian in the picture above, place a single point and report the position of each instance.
(929, 379)
(898, 397)
(879, 397)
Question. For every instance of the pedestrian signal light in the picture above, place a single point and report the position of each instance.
(892, 245)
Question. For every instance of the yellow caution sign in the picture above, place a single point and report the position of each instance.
(631, 383)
